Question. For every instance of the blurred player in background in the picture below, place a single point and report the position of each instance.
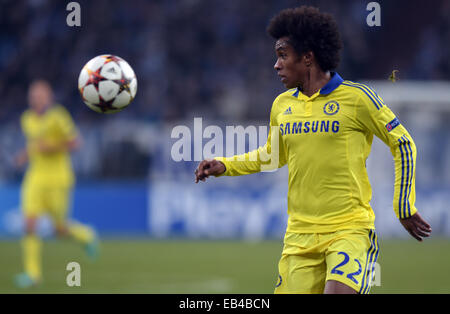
(325, 127)
(46, 189)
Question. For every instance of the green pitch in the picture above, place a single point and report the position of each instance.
(147, 266)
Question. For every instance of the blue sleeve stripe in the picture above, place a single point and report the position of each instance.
(410, 177)
(371, 91)
(402, 180)
(375, 101)
(380, 101)
(405, 201)
(373, 260)
(406, 183)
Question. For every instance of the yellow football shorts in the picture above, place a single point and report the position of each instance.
(38, 200)
(310, 259)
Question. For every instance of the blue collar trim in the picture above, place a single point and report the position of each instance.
(332, 84)
(335, 81)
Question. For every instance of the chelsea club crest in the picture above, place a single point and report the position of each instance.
(331, 108)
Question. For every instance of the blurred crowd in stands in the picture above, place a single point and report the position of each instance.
(209, 58)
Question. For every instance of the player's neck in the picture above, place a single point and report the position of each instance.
(41, 111)
(315, 79)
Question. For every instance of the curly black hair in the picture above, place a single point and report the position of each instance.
(308, 29)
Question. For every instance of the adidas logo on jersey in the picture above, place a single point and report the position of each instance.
(288, 111)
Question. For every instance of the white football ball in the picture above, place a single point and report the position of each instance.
(107, 84)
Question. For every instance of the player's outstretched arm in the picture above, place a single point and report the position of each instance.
(207, 168)
(417, 227)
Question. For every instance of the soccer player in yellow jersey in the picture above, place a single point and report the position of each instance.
(324, 128)
(46, 189)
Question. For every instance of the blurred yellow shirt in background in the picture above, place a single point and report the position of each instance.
(53, 127)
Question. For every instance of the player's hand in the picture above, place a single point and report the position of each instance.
(417, 227)
(207, 168)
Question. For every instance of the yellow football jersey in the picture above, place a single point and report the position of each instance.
(325, 140)
(53, 127)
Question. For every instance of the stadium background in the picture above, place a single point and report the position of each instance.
(160, 232)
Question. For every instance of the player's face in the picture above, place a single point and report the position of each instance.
(40, 97)
(289, 65)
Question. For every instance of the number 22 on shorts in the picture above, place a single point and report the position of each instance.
(350, 276)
